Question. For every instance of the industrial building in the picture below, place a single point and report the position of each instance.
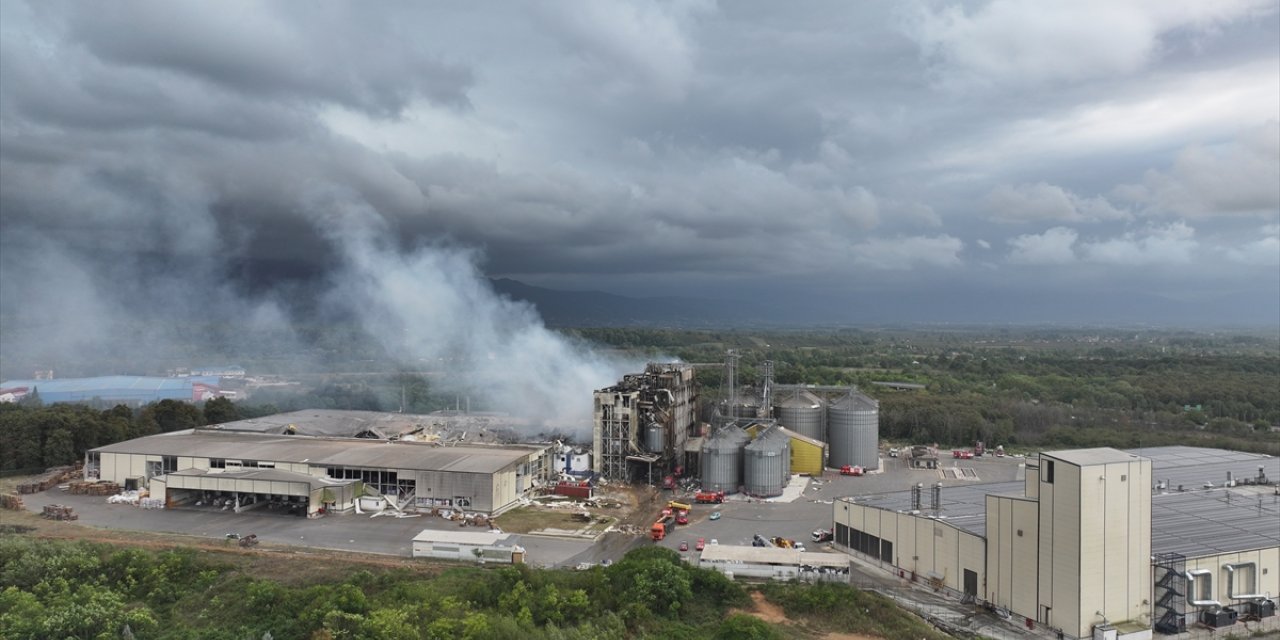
(129, 390)
(474, 546)
(278, 464)
(1092, 540)
(844, 418)
(643, 423)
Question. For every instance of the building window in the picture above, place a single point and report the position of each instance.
(1048, 472)
(169, 464)
(217, 463)
(1124, 477)
(1019, 533)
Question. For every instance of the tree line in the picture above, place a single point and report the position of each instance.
(59, 589)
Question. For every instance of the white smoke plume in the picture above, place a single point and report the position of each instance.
(431, 306)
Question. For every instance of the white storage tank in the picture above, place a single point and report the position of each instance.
(722, 459)
(767, 463)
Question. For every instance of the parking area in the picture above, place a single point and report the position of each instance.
(354, 533)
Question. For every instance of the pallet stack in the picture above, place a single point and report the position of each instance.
(59, 512)
(54, 476)
(11, 501)
(101, 488)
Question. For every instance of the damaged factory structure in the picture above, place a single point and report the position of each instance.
(314, 462)
(643, 423)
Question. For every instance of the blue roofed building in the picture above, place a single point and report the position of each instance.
(131, 390)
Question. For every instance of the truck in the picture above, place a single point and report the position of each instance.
(852, 470)
(709, 497)
(783, 543)
(893, 452)
(662, 527)
(822, 535)
(679, 506)
(963, 454)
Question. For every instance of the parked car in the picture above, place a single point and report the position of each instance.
(714, 541)
(715, 515)
(684, 545)
(702, 544)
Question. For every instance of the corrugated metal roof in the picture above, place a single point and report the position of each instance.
(331, 452)
(771, 555)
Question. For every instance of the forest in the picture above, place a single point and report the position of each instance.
(81, 590)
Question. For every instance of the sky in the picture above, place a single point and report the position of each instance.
(208, 156)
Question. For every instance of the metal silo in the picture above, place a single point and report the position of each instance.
(655, 437)
(767, 463)
(802, 413)
(722, 459)
(853, 431)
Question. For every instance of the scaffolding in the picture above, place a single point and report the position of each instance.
(1170, 593)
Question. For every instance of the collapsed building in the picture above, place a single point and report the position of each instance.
(643, 424)
(311, 462)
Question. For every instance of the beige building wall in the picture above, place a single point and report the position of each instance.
(922, 546)
(1013, 525)
(1265, 579)
(1095, 543)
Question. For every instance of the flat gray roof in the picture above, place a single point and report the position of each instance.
(325, 452)
(1087, 457)
(1197, 521)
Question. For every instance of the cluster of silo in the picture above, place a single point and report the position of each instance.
(848, 423)
(722, 459)
(803, 413)
(767, 463)
(853, 431)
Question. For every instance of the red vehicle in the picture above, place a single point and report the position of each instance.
(669, 482)
(684, 546)
(851, 470)
(682, 517)
(702, 544)
(962, 454)
(661, 528)
(709, 497)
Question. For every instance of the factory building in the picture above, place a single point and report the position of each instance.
(129, 390)
(314, 473)
(642, 424)
(1092, 540)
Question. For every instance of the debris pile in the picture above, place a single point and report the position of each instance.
(151, 503)
(54, 476)
(127, 497)
(11, 501)
(59, 512)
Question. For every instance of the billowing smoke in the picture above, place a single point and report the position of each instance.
(432, 306)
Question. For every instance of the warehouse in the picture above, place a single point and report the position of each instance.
(1155, 538)
(328, 473)
(473, 546)
(108, 390)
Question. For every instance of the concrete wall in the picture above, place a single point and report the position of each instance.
(1013, 526)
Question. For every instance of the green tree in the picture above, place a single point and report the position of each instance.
(744, 627)
(59, 449)
(220, 411)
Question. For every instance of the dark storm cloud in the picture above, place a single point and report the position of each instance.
(687, 143)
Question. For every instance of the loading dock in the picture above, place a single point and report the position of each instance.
(270, 489)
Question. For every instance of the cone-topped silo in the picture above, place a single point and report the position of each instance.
(853, 431)
(722, 459)
(767, 463)
(801, 412)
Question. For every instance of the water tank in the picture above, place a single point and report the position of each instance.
(802, 413)
(655, 438)
(767, 463)
(853, 431)
(722, 459)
